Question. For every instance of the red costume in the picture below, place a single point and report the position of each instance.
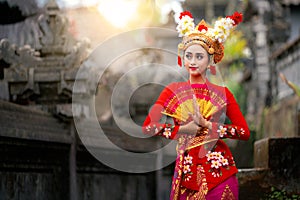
(204, 160)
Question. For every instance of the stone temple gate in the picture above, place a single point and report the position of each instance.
(41, 155)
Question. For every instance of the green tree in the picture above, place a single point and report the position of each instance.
(232, 66)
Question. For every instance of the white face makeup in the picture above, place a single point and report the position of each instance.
(196, 60)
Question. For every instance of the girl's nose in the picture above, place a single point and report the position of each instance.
(193, 61)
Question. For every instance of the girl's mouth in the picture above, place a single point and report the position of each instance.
(193, 68)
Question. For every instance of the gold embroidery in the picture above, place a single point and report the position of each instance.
(191, 195)
(192, 142)
(201, 181)
(198, 141)
(177, 185)
(227, 194)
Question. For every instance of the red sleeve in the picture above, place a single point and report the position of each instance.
(238, 129)
(153, 124)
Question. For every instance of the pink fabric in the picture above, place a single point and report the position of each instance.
(217, 192)
(227, 190)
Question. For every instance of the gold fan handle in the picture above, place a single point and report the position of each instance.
(201, 143)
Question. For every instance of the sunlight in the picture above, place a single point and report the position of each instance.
(118, 12)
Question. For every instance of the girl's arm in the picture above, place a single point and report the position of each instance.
(238, 129)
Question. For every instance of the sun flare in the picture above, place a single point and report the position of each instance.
(118, 12)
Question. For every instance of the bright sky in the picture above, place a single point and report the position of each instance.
(119, 12)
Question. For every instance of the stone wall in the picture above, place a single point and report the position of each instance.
(42, 158)
(281, 120)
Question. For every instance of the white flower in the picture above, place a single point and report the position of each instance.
(186, 169)
(188, 160)
(187, 178)
(167, 132)
(222, 29)
(215, 174)
(222, 131)
(232, 131)
(217, 155)
(209, 156)
(242, 131)
(185, 26)
(224, 162)
(215, 164)
(148, 128)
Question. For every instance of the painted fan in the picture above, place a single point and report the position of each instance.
(210, 99)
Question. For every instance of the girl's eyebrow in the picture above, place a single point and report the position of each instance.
(195, 53)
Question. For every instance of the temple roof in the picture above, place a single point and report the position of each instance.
(27, 123)
(18, 22)
(27, 9)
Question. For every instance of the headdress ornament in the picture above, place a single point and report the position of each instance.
(210, 38)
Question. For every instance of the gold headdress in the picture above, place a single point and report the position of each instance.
(211, 39)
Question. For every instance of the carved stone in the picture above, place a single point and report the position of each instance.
(44, 76)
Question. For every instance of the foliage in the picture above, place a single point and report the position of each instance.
(280, 195)
(232, 69)
(235, 46)
(239, 94)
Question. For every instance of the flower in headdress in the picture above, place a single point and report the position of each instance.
(185, 13)
(236, 17)
(222, 29)
(186, 24)
(211, 37)
(202, 28)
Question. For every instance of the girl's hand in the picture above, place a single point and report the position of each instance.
(189, 128)
(197, 116)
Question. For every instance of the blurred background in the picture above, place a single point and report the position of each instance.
(45, 43)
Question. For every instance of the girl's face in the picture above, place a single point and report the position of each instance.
(196, 60)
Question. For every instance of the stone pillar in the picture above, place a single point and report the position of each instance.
(261, 74)
(209, 10)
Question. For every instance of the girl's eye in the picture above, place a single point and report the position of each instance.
(188, 56)
(199, 57)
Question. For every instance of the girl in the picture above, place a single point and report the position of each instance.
(205, 168)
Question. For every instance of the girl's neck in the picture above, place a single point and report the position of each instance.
(197, 79)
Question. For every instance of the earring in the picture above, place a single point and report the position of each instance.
(212, 69)
(179, 53)
(179, 62)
